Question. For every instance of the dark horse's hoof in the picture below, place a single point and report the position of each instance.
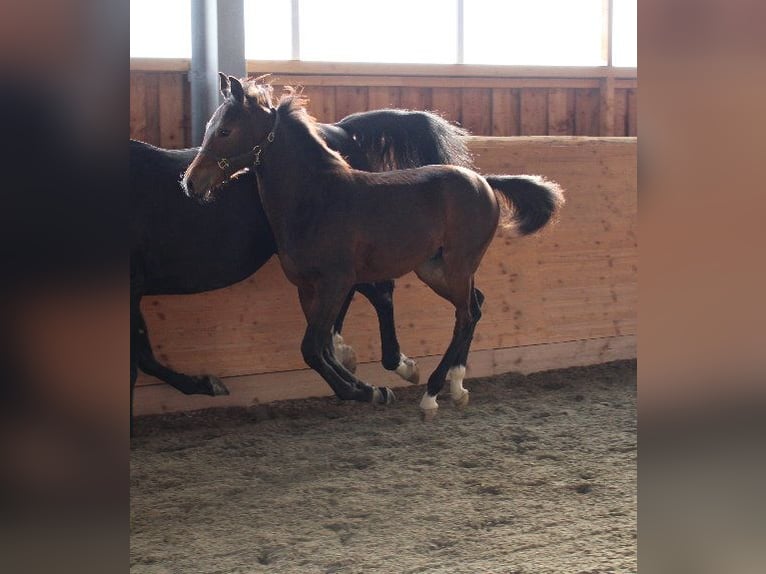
(382, 396)
(210, 385)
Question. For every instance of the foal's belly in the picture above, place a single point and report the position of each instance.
(381, 262)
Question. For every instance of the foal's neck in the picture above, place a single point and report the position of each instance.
(291, 168)
(297, 154)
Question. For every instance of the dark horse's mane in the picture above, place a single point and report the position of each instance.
(400, 139)
(293, 116)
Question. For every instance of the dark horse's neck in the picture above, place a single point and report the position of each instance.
(290, 164)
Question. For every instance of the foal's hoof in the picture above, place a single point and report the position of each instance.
(382, 396)
(461, 401)
(428, 414)
(210, 385)
(408, 370)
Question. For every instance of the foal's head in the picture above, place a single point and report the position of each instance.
(233, 136)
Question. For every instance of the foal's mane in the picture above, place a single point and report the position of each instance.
(258, 92)
(303, 127)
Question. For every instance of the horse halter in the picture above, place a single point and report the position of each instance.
(249, 157)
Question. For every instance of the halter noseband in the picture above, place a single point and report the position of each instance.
(251, 156)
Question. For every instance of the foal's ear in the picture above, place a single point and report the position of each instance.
(237, 91)
(225, 86)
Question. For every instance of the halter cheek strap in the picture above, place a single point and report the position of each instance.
(250, 157)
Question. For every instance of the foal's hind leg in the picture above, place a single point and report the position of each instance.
(455, 285)
(456, 373)
(381, 295)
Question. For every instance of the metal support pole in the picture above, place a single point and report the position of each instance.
(218, 44)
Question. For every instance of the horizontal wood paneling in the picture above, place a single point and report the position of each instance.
(250, 390)
(159, 108)
(486, 105)
(575, 281)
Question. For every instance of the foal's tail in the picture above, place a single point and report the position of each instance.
(530, 201)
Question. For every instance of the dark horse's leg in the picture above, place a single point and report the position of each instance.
(381, 296)
(141, 355)
(455, 284)
(321, 303)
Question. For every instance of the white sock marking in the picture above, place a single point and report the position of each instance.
(428, 403)
(405, 370)
(455, 376)
(337, 345)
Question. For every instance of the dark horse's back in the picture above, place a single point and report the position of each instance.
(179, 246)
(399, 139)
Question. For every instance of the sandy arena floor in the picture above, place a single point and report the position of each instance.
(536, 475)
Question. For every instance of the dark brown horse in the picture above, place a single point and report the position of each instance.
(335, 226)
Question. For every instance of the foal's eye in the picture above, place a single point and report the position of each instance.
(223, 133)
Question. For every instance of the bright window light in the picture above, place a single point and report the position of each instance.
(268, 29)
(498, 32)
(160, 28)
(534, 32)
(624, 26)
(391, 31)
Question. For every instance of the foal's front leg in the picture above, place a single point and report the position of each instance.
(320, 303)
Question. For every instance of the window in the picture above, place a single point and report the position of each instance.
(624, 26)
(536, 33)
(160, 28)
(394, 31)
(268, 29)
(497, 32)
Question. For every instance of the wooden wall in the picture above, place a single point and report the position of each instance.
(564, 297)
(592, 104)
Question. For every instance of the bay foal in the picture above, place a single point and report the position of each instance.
(336, 226)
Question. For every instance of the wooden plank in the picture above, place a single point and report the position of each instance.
(445, 70)
(152, 109)
(477, 111)
(505, 112)
(434, 81)
(561, 106)
(620, 113)
(322, 104)
(160, 64)
(138, 106)
(632, 115)
(381, 97)
(626, 84)
(447, 102)
(606, 108)
(586, 112)
(415, 98)
(187, 114)
(534, 112)
(350, 100)
(260, 389)
(535, 358)
(624, 77)
(171, 110)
